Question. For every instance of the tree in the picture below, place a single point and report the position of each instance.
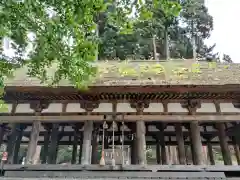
(139, 44)
(64, 34)
(227, 58)
(199, 22)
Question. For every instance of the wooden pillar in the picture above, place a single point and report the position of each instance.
(164, 158)
(140, 133)
(205, 155)
(168, 154)
(134, 151)
(192, 149)
(163, 151)
(87, 137)
(161, 127)
(37, 155)
(236, 135)
(141, 143)
(180, 143)
(33, 142)
(12, 142)
(197, 143)
(32, 147)
(134, 159)
(237, 153)
(75, 145)
(2, 132)
(192, 106)
(210, 152)
(94, 158)
(80, 149)
(236, 149)
(169, 151)
(173, 154)
(224, 144)
(237, 138)
(187, 150)
(47, 134)
(20, 129)
(158, 156)
(12, 137)
(87, 134)
(223, 138)
(53, 147)
(54, 140)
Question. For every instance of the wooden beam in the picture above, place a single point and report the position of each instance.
(152, 100)
(128, 142)
(129, 89)
(130, 118)
(119, 133)
(118, 114)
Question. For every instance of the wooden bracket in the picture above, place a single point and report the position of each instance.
(89, 106)
(38, 106)
(217, 106)
(161, 126)
(236, 104)
(139, 105)
(191, 105)
(165, 107)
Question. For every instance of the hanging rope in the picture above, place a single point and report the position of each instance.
(113, 138)
(102, 160)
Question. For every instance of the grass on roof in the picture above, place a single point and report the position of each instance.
(173, 70)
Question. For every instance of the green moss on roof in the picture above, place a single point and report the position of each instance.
(147, 73)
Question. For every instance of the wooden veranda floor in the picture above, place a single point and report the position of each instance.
(172, 172)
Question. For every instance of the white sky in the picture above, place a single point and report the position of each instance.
(226, 33)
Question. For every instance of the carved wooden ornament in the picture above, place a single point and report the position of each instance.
(191, 105)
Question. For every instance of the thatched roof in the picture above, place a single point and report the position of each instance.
(148, 73)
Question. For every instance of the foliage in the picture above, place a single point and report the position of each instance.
(177, 30)
(65, 32)
(227, 58)
(64, 154)
(195, 12)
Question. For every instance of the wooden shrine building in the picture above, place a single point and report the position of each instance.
(166, 106)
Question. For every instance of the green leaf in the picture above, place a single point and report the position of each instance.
(65, 39)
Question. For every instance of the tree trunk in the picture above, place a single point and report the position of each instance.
(194, 47)
(167, 50)
(156, 58)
